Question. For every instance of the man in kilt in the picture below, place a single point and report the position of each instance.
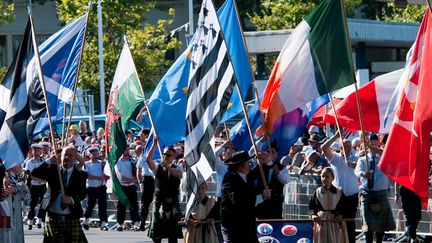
(64, 212)
(166, 207)
(375, 208)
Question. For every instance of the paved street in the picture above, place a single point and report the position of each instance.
(95, 235)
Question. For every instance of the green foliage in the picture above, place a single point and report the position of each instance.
(389, 12)
(149, 44)
(286, 14)
(6, 12)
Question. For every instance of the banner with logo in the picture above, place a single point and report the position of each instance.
(278, 231)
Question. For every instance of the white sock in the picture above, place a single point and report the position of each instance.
(38, 220)
(86, 221)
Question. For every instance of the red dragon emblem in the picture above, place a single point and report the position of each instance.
(111, 118)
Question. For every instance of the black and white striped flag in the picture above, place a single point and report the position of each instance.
(23, 105)
(211, 84)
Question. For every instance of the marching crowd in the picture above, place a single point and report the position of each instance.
(249, 186)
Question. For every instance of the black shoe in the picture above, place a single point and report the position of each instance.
(30, 227)
(104, 228)
(39, 226)
(120, 228)
(142, 226)
(85, 226)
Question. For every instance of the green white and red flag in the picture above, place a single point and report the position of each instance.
(314, 61)
(125, 97)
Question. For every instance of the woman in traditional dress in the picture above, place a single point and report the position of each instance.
(18, 189)
(327, 204)
(201, 226)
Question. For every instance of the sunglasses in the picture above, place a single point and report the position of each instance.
(168, 155)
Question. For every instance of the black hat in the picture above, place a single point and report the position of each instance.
(315, 138)
(373, 136)
(238, 158)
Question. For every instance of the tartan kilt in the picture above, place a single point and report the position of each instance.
(66, 231)
(376, 211)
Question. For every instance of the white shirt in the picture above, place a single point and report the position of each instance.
(123, 168)
(221, 168)
(381, 181)
(142, 163)
(94, 169)
(30, 165)
(345, 177)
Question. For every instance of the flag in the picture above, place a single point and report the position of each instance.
(211, 84)
(314, 61)
(374, 99)
(26, 103)
(168, 101)
(288, 128)
(60, 57)
(406, 156)
(125, 97)
(232, 31)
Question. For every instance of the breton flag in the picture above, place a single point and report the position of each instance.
(314, 61)
(374, 99)
(26, 103)
(211, 84)
(406, 156)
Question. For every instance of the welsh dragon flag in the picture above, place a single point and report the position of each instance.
(125, 96)
(315, 60)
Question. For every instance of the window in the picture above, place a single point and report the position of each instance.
(3, 53)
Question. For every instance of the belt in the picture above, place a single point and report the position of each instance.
(59, 217)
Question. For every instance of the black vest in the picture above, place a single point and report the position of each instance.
(166, 186)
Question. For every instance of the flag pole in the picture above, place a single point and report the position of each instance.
(42, 81)
(255, 148)
(227, 132)
(254, 84)
(63, 125)
(356, 88)
(345, 155)
(145, 104)
(78, 71)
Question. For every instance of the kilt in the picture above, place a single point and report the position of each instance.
(376, 211)
(63, 231)
(164, 223)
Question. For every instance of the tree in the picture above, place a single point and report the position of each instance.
(149, 43)
(286, 14)
(6, 16)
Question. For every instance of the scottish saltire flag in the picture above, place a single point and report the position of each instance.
(168, 101)
(211, 84)
(60, 57)
(288, 128)
(26, 103)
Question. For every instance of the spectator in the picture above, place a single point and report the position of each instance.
(83, 130)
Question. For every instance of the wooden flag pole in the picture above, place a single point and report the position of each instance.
(266, 132)
(146, 105)
(345, 155)
(76, 78)
(356, 89)
(63, 125)
(255, 148)
(42, 81)
(227, 132)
